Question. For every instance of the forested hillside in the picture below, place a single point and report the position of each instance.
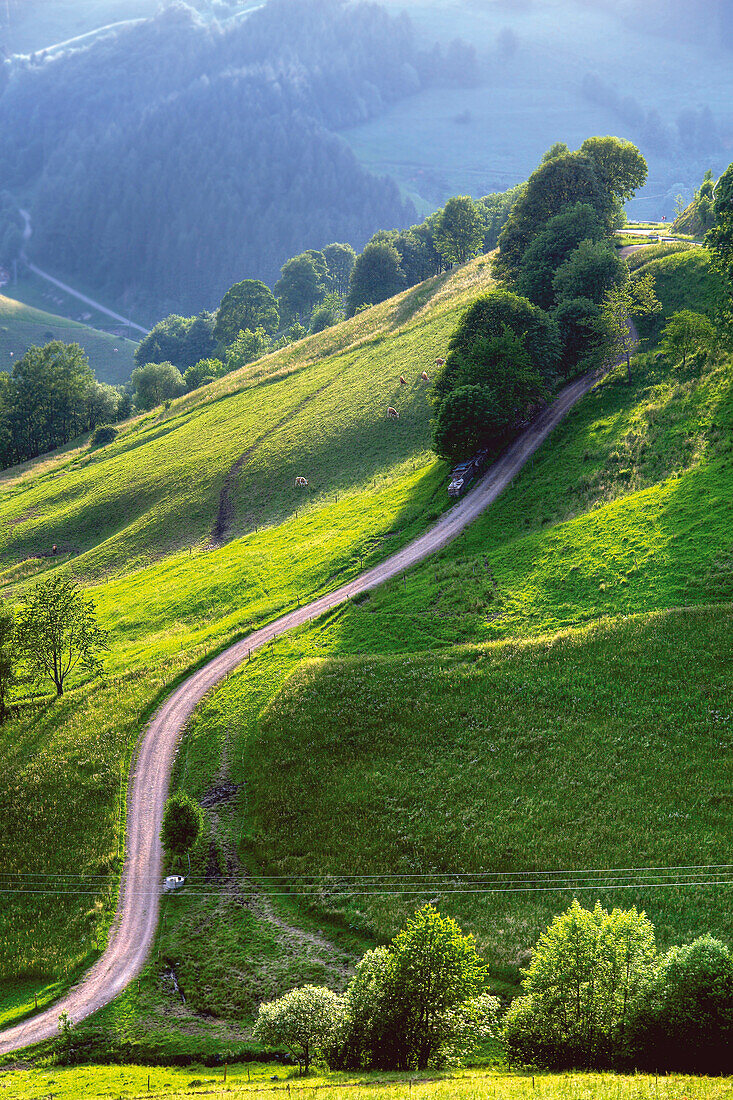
(172, 157)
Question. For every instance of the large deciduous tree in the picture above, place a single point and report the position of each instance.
(58, 631)
(181, 341)
(586, 971)
(558, 240)
(246, 305)
(155, 383)
(377, 275)
(340, 260)
(301, 286)
(592, 269)
(459, 233)
(621, 166)
(719, 239)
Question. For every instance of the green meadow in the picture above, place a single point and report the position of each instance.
(258, 1079)
(134, 520)
(549, 692)
(21, 325)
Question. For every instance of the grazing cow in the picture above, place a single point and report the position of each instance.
(301, 482)
(424, 376)
(403, 380)
(392, 413)
(440, 362)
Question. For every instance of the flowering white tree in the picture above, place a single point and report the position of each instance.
(303, 1020)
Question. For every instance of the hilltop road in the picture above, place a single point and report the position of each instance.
(134, 928)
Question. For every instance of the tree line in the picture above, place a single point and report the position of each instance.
(51, 396)
(563, 303)
(596, 995)
(166, 157)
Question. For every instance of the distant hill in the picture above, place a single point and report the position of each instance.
(110, 357)
(170, 158)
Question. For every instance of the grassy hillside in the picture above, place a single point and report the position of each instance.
(111, 357)
(683, 280)
(623, 511)
(318, 409)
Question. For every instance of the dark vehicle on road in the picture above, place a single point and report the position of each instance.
(465, 472)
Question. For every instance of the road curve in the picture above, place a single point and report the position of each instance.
(134, 927)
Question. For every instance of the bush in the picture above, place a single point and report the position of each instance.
(683, 1020)
(586, 971)
(103, 435)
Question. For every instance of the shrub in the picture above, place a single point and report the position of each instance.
(103, 435)
(683, 1019)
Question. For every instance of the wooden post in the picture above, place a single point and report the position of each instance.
(225, 1073)
(148, 1082)
(35, 995)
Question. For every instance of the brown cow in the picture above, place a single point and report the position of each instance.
(392, 413)
(440, 362)
(301, 482)
(403, 380)
(424, 376)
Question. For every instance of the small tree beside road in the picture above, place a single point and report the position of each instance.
(304, 1021)
(623, 302)
(58, 632)
(183, 821)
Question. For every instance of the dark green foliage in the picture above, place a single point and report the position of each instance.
(155, 383)
(490, 315)
(593, 268)
(683, 1020)
(560, 237)
(340, 259)
(601, 174)
(496, 210)
(497, 385)
(408, 1003)
(583, 335)
(376, 275)
(247, 347)
(249, 304)
(699, 216)
(58, 632)
(50, 397)
(181, 341)
(619, 165)
(103, 435)
(564, 181)
(302, 284)
(459, 233)
(203, 372)
(191, 162)
(183, 820)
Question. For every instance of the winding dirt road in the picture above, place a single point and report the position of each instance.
(134, 928)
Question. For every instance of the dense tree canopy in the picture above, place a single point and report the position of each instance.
(181, 341)
(551, 247)
(377, 275)
(720, 238)
(585, 972)
(460, 230)
(249, 304)
(155, 383)
(170, 158)
(301, 286)
(49, 397)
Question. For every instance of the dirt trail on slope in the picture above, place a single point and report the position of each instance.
(133, 931)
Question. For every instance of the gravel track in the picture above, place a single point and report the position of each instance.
(133, 931)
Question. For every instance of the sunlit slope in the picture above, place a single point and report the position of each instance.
(317, 409)
(110, 357)
(373, 483)
(626, 509)
(603, 747)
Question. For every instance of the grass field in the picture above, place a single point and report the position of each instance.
(373, 484)
(257, 1079)
(21, 325)
(625, 510)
